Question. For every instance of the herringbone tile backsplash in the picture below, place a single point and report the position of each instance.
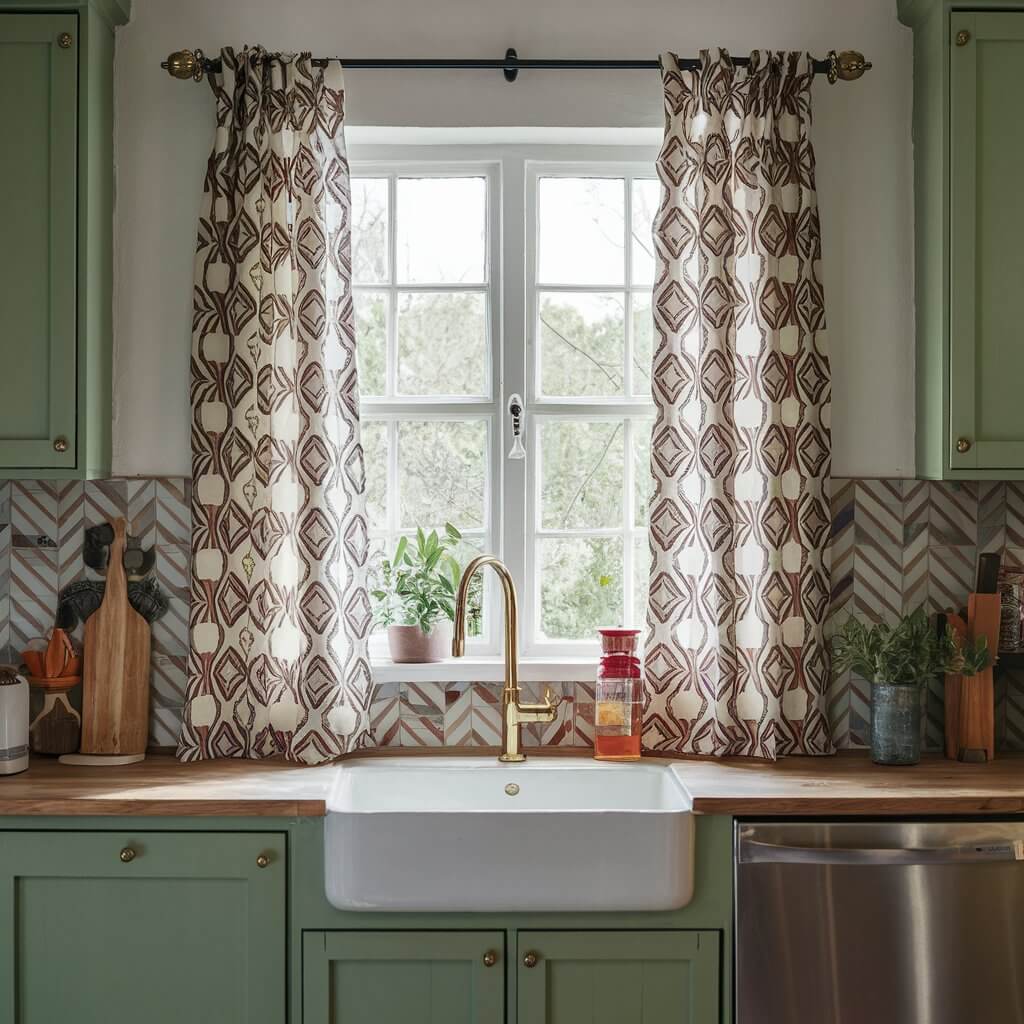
(896, 544)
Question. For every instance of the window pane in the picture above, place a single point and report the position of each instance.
(581, 474)
(442, 230)
(643, 482)
(582, 340)
(442, 472)
(643, 341)
(371, 310)
(646, 197)
(581, 586)
(581, 230)
(375, 460)
(369, 230)
(641, 579)
(442, 343)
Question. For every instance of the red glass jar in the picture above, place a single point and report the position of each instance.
(618, 698)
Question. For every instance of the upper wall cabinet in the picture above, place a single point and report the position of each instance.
(969, 216)
(56, 205)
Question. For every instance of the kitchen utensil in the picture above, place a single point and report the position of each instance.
(977, 693)
(115, 689)
(988, 573)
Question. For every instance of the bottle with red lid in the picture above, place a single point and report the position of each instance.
(618, 699)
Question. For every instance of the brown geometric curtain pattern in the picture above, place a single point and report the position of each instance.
(279, 609)
(737, 658)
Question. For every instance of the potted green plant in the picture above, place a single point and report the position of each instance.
(898, 660)
(414, 596)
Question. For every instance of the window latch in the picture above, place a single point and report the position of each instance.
(515, 409)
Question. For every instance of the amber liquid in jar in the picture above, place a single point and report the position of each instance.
(618, 698)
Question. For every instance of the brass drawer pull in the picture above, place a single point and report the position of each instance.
(262, 860)
(127, 855)
(963, 445)
(530, 959)
(60, 444)
(490, 958)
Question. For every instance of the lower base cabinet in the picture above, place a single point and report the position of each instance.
(408, 977)
(559, 977)
(656, 977)
(161, 927)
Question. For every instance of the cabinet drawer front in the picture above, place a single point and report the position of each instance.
(403, 977)
(38, 208)
(154, 926)
(986, 344)
(607, 977)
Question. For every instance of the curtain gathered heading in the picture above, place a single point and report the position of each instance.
(737, 658)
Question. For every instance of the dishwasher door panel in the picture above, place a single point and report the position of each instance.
(880, 923)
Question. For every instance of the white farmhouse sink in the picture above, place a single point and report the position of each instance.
(452, 834)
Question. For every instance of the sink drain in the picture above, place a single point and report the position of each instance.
(512, 789)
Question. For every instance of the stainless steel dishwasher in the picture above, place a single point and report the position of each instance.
(877, 922)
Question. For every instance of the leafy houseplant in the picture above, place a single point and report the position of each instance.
(898, 660)
(414, 593)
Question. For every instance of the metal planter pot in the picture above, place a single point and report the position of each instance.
(895, 724)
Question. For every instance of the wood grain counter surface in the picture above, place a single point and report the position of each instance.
(848, 784)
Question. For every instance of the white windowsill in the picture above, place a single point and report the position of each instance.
(483, 669)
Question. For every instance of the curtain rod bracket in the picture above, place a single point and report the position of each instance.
(510, 73)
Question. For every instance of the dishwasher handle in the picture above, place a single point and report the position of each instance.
(752, 851)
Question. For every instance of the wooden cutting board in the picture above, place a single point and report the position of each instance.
(115, 684)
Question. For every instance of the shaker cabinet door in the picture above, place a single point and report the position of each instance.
(599, 977)
(986, 339)
(161, 927)
(38, 184)
(403, 977)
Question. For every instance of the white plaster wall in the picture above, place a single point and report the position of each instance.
(163, 130)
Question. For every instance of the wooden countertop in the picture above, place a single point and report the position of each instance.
(845, 784)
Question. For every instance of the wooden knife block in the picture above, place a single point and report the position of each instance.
(970, 700)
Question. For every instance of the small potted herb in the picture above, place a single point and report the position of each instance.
(414, 593)
(898, 661)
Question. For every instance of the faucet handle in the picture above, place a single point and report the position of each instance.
(550, 699)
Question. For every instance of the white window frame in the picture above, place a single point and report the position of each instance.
(512, 171)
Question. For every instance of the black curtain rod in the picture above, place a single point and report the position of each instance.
(846, 66)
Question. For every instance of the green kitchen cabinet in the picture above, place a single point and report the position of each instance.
(969, 220)
(56, 205)
(611, 977)
(403, 977)
(116, 927)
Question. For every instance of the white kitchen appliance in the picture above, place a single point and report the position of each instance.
(13, 721)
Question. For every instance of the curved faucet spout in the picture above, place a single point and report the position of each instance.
(513, 712)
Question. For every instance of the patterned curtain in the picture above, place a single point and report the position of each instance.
(737, 659)
(279, 613)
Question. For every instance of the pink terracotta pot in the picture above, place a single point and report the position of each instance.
(410, 645)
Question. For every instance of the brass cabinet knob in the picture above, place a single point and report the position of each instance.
(60, 444)
(64, 40)
(530, 959)
(262, 860)
(127, 855)
(963, 444)
(963, 37)
(490, 958)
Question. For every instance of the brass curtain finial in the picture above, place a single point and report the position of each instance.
(185, 64)
(847, 66)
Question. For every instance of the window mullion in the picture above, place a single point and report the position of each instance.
(627, 249)
(391, 356)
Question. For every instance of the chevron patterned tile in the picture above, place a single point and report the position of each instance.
(839, 709)
(34, 514)
(878, 512)
(1015, 513)
(169, 674)
(953, 514)
(170, 633)
(458, 714)
(70, 532)
(33, 594)
(878, 582)
(384, 716)
(951, 572)
(486, 703)
(991, 516)
(164, 726)
(173, 513)
(916, 504)
(583, 714)
(933, 722)
(141, 510)
(860, 711)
